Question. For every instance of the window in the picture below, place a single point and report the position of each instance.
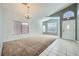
(52, 27)
(21, 28)
(68, 14)
(25, 28)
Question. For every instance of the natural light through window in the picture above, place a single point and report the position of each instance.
(68, 14)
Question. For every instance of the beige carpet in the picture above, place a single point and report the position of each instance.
(31, 46)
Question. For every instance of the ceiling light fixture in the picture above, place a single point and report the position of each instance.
(27, 13)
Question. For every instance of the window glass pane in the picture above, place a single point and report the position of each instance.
(21, 28)
(52, 27)
(25, 28)
(68, 14)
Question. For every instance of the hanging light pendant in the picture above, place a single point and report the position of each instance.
(27, 14)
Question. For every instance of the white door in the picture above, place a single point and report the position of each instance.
(68, 29)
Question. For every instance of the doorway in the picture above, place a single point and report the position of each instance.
(68, 29)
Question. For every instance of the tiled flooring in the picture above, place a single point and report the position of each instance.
(62, 47)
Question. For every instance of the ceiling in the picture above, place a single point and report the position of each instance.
(38, 10)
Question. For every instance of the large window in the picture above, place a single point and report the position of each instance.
(50, 27)
(20, 27)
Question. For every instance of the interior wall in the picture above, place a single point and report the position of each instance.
(34, 27)
(78, 22)
(1, 28)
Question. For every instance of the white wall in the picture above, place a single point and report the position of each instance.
(34, 27)
(1, 29)
(78, 23)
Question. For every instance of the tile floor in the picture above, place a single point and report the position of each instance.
(62, 47)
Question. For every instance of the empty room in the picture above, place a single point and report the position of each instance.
(39, 29)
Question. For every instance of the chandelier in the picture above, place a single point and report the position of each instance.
(27, 13)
